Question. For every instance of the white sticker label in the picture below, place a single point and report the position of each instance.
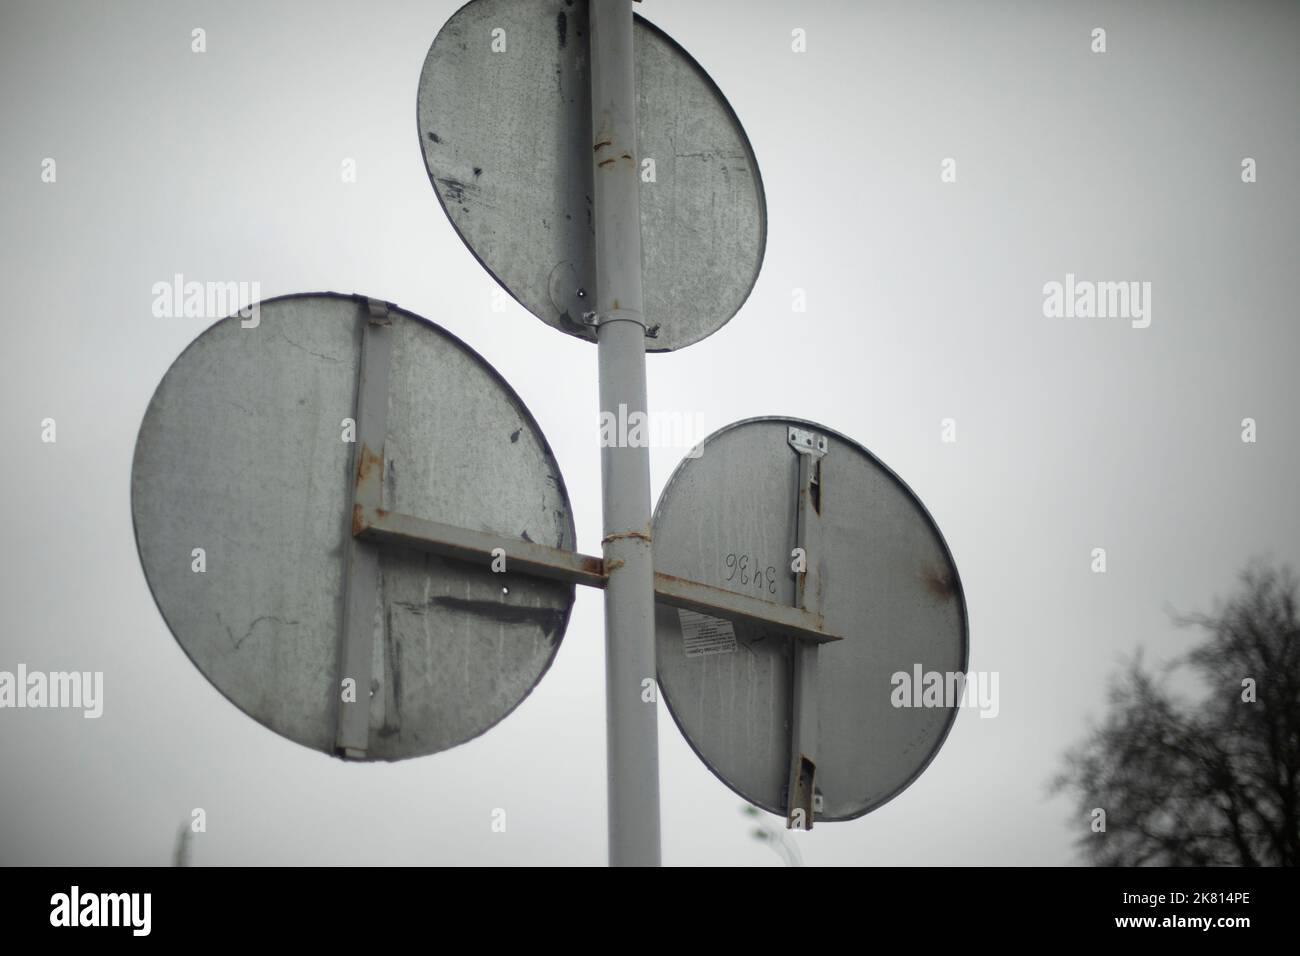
(706, 635)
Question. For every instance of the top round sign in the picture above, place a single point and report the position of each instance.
(888, 588)
(504, 115)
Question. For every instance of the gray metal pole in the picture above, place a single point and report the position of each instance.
(631, 692)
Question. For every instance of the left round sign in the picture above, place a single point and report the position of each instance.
(241, 496)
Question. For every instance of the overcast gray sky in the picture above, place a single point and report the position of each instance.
(924, 302)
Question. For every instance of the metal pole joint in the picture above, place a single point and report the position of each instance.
(598, 319)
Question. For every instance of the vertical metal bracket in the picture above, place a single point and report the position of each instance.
(361, 570)
(802, 798)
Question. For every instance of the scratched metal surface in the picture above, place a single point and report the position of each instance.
(240, 453)
(890, 588)
(507, 142)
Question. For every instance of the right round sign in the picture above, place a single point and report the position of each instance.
(881, 698)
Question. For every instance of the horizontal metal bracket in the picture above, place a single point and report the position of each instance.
(719, 602)
(371, 523)
(462, 544)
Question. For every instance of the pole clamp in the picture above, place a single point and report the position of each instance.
(598, 319)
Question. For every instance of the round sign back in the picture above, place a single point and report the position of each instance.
(241, 495)
(504, 114)
(886, 584)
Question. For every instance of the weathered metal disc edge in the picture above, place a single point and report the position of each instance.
(526, 414)
(961, 597)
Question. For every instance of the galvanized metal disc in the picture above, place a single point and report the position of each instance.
(241, 454)
(504, 120)
(728, 518)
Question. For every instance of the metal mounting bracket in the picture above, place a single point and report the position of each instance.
(374, 527)
(361, 569)
(803, 800)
